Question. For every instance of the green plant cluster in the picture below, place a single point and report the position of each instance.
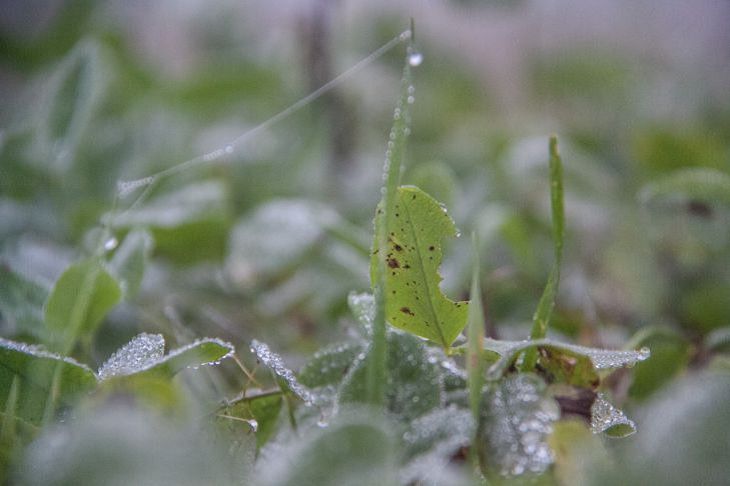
(414, 392)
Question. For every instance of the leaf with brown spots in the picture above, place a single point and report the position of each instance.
(413, 257)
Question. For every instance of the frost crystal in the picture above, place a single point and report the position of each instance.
(138, 354)
(274, 362)
(607, 418)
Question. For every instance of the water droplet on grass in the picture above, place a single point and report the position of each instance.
(415, 58)
(110, 244)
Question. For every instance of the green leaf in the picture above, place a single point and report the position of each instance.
(362, 306)
(718, 340)
(670, 355)
(329, 366)
(515, 423)
(129, 260)
(435, 178)
(541, 319)
(21, 302)
(413, 254)
(683, 437)
(261, 412)
(352, 450)
(286, 376)
(42, 376)
(577, 452)
(413, 383)
(432, 441)
(275, 238)
(75, 92)
(696, 183)
(80, 299)
(607, 419)
(600, 359)
(144, 355)
(192, 203)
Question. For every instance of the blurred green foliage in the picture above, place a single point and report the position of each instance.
(268, 241)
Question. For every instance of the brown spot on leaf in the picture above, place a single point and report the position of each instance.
(431, 248)
(406, 310)
(393, 263)
(398, 247)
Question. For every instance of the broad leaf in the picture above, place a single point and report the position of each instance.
(413, 384)
(41, 375)
(329, 365)
(600, 359)
(515, 423)
(431, 441)
(275, 237)
(353, 450)
(144, 355)
(414, 301)
(79, 301)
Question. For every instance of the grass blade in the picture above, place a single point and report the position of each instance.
(376, 372)
(544, 311)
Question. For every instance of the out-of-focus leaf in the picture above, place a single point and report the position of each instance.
(79, 301)
(718, 340)
(187, 224)
(434, 178)
(577, 452)
(128, 262)
(353, 450)
(41, 376)
(515, 423)
(21, 302)
(683, 437)
(670, 354)
(329, 365)
(275, 237)
(413, 254)
(432, 440)
(703, 184)
(195, 202)
(124, 445)
(76, 90)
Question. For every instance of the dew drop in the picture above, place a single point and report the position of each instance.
(411, 100)
(415, 58)
(229, 149)
(110, 244)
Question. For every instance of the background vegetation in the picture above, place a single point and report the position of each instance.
(267, 242)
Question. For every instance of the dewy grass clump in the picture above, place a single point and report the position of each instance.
(416, 394)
